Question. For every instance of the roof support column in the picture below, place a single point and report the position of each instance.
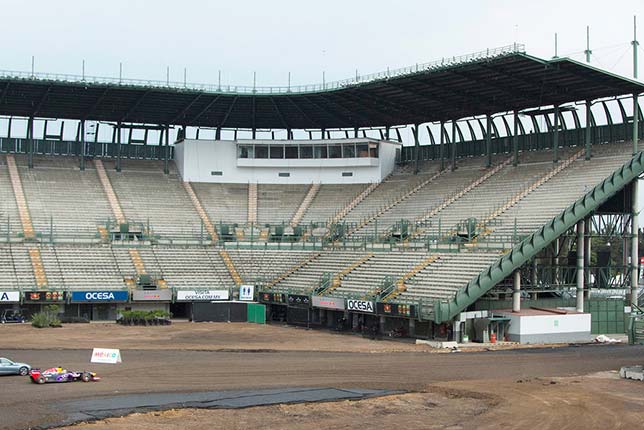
(441, 148)
(355, 132)
(289, 134)
(82, 143)
(515, 139)
(555, 137)
(166, 154)
(387, 132)
(587, 254)
(516, 292)
(587, 131)
(254, 133)
(453, 154)
(30, 142)
(634, 241)
(416, 148)
(218, 133)
(118, 147)
(488, 139)
(580, 265)
(636, 115)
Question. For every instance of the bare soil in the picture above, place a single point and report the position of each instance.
(525, 388)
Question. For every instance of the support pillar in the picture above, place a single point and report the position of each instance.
(387, 133)
(515, 139)
(218, 133)
(30, 142)
(453, 145)
(516, 292)
(355, 132)
(587, 253)
(381, 324)
(635, 123)
(118, 147)
(82, 142)
(416, 148)
(587, 131)
(441, 148)
(634, 242)
(412, 328)
(555, 137)
(166, 154)
(488, 140)
(580, 265)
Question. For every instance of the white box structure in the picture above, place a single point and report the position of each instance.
(543, 326)
(330, 161)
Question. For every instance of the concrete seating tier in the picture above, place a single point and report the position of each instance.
(278, 203)
(264, 265)
(329, 199)
(227, 203)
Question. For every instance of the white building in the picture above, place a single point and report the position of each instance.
(332, 161)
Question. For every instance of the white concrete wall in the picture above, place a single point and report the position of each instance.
(548, 328)
(197, 159)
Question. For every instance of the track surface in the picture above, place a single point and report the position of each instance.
(23, 404)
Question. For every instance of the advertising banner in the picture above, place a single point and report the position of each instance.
(152, 295)
(247, 292)
(298, 300)
(9, 296)
(272, 297)
(45, 296)
(328, 302)
(100, 296)
(396, 309)
(107, 356)
(361, 306)
(202, 295)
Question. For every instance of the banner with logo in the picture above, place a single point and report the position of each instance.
(152, 295)
(104, 355)
(328, 302)
(298, 300)
(396, 309)
(361, 306)
(100, 296)
(247, 292)
(45, 296)
(272, 297)
(9, 296)
(202, 295)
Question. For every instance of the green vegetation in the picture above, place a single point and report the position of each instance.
(155, 317)
(47, 318)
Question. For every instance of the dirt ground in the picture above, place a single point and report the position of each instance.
(599, 401)
(525, 388)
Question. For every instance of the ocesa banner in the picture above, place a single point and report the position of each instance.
(201, 295)
(100, 296)
(9, 296)
(360, 306)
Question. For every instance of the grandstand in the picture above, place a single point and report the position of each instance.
(444, 228)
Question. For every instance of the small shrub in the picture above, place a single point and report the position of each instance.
(47, 318)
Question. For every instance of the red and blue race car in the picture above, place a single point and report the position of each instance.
(58, 374)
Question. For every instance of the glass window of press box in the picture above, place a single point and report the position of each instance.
(308, 151)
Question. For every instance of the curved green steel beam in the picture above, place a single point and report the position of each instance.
(529, 247)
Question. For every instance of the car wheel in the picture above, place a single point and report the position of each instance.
(23, 371)
(41, 380)
(86, 377)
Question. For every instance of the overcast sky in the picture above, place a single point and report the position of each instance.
(305, 38)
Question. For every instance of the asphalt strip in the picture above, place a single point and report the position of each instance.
(75, 411)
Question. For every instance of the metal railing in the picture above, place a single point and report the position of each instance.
(254, 89)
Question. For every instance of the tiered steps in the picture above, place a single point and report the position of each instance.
(310, 195)
(252, 202)
(201, 211)
(115, 205)
(400, 283)
(395, 202)
(451, 199)
(353, 203)
(536, 184)
(337, 279)
(231, 267)
(137, 261)
(38, 267)
(21, 201)
(293, 269)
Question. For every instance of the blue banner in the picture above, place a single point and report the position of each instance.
(100, 296)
